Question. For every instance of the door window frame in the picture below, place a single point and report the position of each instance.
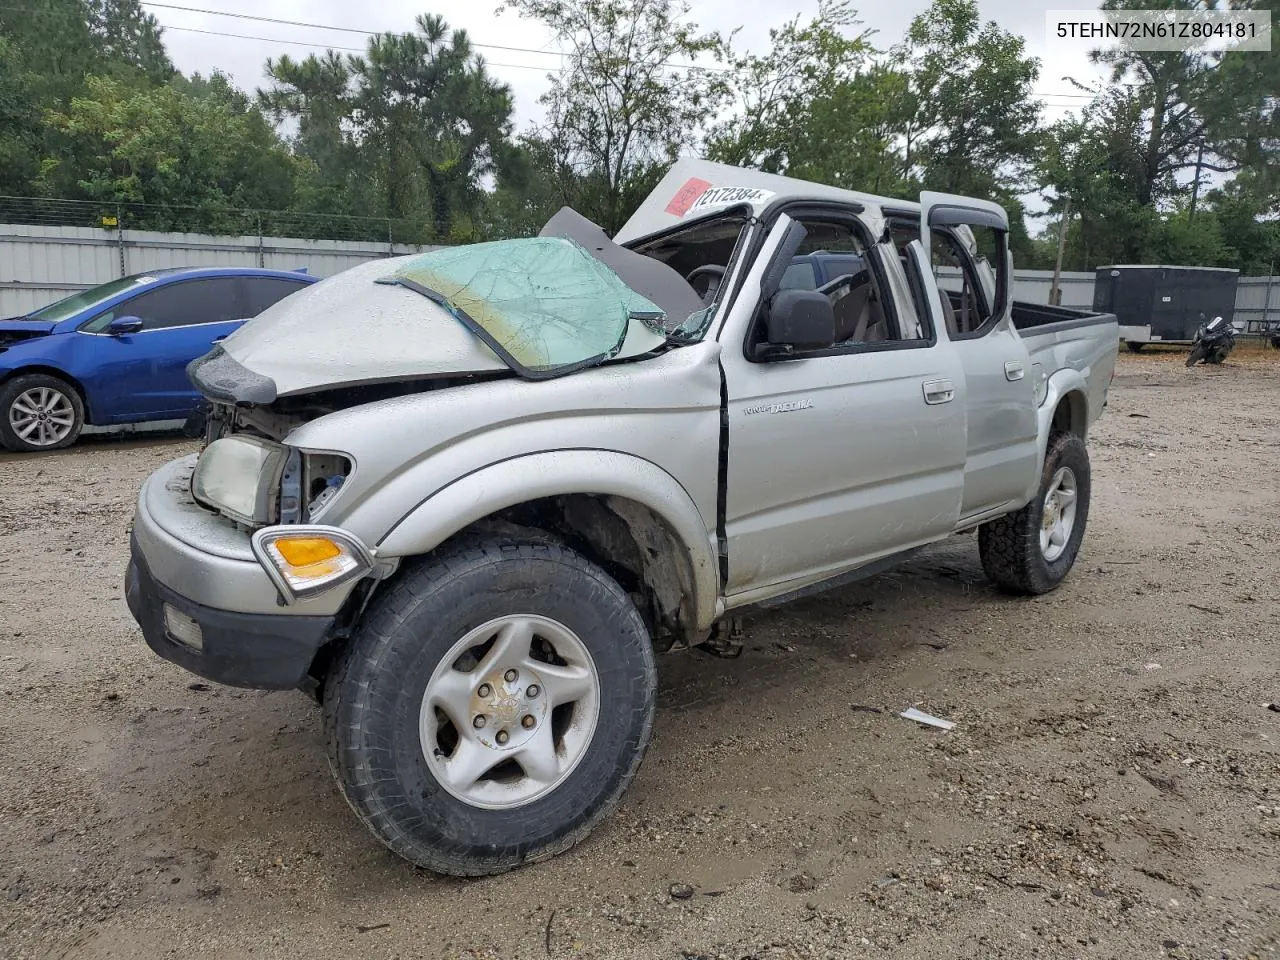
(802, 211)
(969, 267)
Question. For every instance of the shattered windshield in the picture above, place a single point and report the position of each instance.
(544, 305)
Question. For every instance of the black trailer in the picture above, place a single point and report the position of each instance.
(1163, 304)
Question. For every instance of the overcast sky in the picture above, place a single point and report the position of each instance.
(243, 58)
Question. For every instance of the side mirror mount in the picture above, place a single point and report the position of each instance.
(122, 326)
(797, 320)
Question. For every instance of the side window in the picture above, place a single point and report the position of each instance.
(263, 292)
(968, 262)
(834, 261)
(187, 302)
(799, 276)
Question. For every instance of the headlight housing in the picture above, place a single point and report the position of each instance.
(239, 476)
(303, 560)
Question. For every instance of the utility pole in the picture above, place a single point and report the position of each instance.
(1055, 290)
(1195, 187)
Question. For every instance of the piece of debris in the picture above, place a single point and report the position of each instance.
(863, 708)
(919, 716)
(786, 647)
(1274, 707)
(1196, 606)
(199, 687)
(372, 927)
(680, 891)
(803, 883)
(1151, 666)
(1142, 415)
(934, 645)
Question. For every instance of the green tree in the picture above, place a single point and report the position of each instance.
(973, 123)
(21, 128)
(189, 154)
(410, 129)
(817, 106)
(125, 36)
(630, 97)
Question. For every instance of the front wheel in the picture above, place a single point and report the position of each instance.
(39, 412)
(492, 706)
(1198, 353)
(1032, 551)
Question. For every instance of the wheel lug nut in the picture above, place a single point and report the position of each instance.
(484, 690)
(510, 676)
(532, 691)
(527, 722)
(502, 736)
(478, 722)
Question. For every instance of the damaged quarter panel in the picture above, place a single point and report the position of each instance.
(429, 464)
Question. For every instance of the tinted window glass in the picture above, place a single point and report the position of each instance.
(799, 276)
(85, 299)
(263, 292)
(179, 304)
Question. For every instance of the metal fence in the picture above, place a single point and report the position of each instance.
(50, 248)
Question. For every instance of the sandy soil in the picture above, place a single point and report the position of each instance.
(1111, 789)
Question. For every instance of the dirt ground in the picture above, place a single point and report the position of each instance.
(1111, 788)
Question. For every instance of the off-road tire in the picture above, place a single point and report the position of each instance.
(1010, 545)
(1197, 354)
(374, 691)
(19, 385)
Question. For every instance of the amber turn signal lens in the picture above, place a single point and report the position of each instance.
(304, 551)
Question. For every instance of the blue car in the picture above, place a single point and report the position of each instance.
(118, 353)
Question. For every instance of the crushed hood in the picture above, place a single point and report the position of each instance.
(539, 307)
(17, 330)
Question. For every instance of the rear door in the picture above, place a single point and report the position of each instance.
(143, 375)
(1002, 455)
(263, 292)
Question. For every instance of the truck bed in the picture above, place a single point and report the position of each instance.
(1031, 319)
(1059, 338)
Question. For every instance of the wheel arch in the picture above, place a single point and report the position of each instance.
(49, 370)
(1071, 414)
(624, 513)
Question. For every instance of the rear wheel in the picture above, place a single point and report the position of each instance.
(1032, 551)
(492, 707)
(39, 412)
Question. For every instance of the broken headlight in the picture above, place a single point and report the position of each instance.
(239, 477)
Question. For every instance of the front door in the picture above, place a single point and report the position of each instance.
(838, 456)
(143, 375)
(968, 242)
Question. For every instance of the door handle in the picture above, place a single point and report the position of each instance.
(1014, 370)
(938, 391)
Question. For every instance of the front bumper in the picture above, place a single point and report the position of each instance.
(265, 651)
(202, 566)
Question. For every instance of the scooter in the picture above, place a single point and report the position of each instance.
(1214, 340)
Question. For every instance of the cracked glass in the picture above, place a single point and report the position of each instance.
(544, 305)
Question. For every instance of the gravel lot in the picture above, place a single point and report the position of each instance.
(1111, 789)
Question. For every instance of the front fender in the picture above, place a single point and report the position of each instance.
(508, 483)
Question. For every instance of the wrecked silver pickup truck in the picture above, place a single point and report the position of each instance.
(462, 497)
